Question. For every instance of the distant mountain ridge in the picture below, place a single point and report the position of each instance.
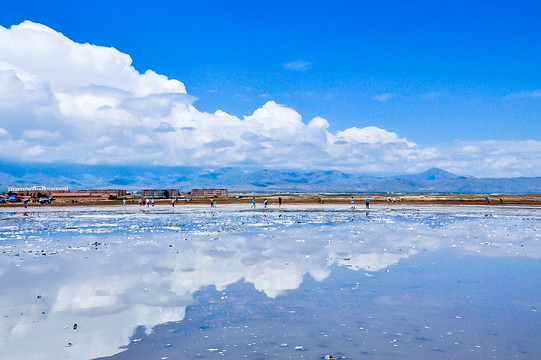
(430, 174)
(254, 180)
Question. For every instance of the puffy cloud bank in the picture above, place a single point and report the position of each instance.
(80, 103)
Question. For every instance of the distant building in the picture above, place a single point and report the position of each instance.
(110, 192)
(160, 193)
(34, 190)
(79, 196)
(209, 192)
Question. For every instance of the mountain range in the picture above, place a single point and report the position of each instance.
(254, 180)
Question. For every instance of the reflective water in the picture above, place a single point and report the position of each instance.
(295, 282)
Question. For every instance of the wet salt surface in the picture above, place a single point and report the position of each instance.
(297, 282)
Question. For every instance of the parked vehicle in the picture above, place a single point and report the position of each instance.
(14, 198)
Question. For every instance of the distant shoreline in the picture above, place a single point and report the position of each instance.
(331, 199)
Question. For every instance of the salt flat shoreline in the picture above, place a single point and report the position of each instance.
(322, 200)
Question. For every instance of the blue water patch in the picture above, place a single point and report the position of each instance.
(418, 310)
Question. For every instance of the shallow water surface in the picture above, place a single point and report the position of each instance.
(293, 282)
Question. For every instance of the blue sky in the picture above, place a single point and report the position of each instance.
(433, 73)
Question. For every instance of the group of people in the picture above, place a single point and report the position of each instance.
(266, 202)
(148, 202)
(367, 202)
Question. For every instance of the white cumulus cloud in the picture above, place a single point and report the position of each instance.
(492, 158)
(62, 101)
(64, 64)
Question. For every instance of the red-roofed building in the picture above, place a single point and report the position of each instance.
(210, 192)
(160, 193)
(79, 195)
(112, 192)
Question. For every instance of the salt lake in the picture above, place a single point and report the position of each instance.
(191, 282)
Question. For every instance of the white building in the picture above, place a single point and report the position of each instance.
(34, 190)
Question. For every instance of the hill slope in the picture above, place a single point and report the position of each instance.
(260, 180)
